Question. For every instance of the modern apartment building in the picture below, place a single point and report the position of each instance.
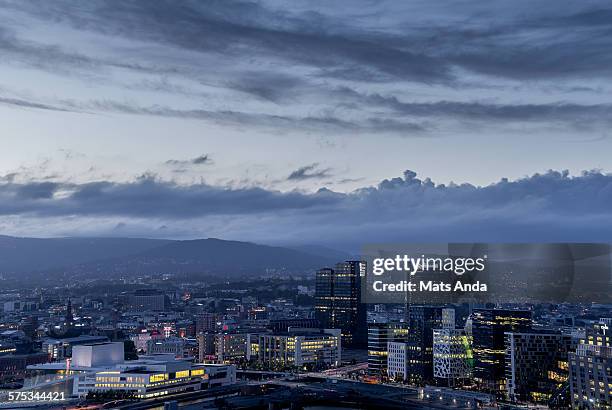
(591, 369)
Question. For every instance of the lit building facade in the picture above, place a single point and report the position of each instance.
(422, 320)
(206, 347)
(13, 366)
(101, 368)
(142, 338)
(152, 378)
(591, 369)
(488, 331)
(338, 302)
(537, 367)
(379, 335)
(453, 359)
(207, 322)
(230, 347)
(318, 348)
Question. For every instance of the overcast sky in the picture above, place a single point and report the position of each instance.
(279, 121)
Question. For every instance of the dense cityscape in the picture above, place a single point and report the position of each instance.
(305, 205)
(299, 341)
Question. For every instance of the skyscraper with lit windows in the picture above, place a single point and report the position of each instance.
(379, 335)
(488, 331)
(537, 366)
(338, 302)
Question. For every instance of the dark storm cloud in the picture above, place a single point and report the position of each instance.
(10, 177)
(199, 160)
(564, 46)
(55, 59)
(281, 123)
(47, 57)
(563, 112)
(309, 172)
(36, 191)
(202, 159)
(502, 42)
(543, 207)
(288, 58)
(271, 86)
(262, 120)
(21, 103)
(147, 197)
(245, 28)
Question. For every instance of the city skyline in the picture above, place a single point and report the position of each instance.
(268, 204)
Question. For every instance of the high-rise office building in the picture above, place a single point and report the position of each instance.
(537, 367)
(338, 302)
(488, 330)
(379, 335)
(591, 369)
(422, 320)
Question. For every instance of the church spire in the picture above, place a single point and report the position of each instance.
(69, 318)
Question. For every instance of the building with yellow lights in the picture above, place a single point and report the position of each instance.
(537, 366)
(338, 302)
(101, 368)
(379, 335)
(453, 359)
(317, 348)
(148, 378)
(591, 368)
(488, 329)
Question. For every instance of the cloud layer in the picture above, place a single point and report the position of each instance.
(553, 206)
(376, 67)
(264, 97)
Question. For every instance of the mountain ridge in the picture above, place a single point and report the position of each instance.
(91, 257)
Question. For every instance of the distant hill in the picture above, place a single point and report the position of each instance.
(212, 257)
(33, 254)
(110, 257)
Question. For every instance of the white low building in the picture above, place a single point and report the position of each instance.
(155, 376)
(98, 354)
(100, 367)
